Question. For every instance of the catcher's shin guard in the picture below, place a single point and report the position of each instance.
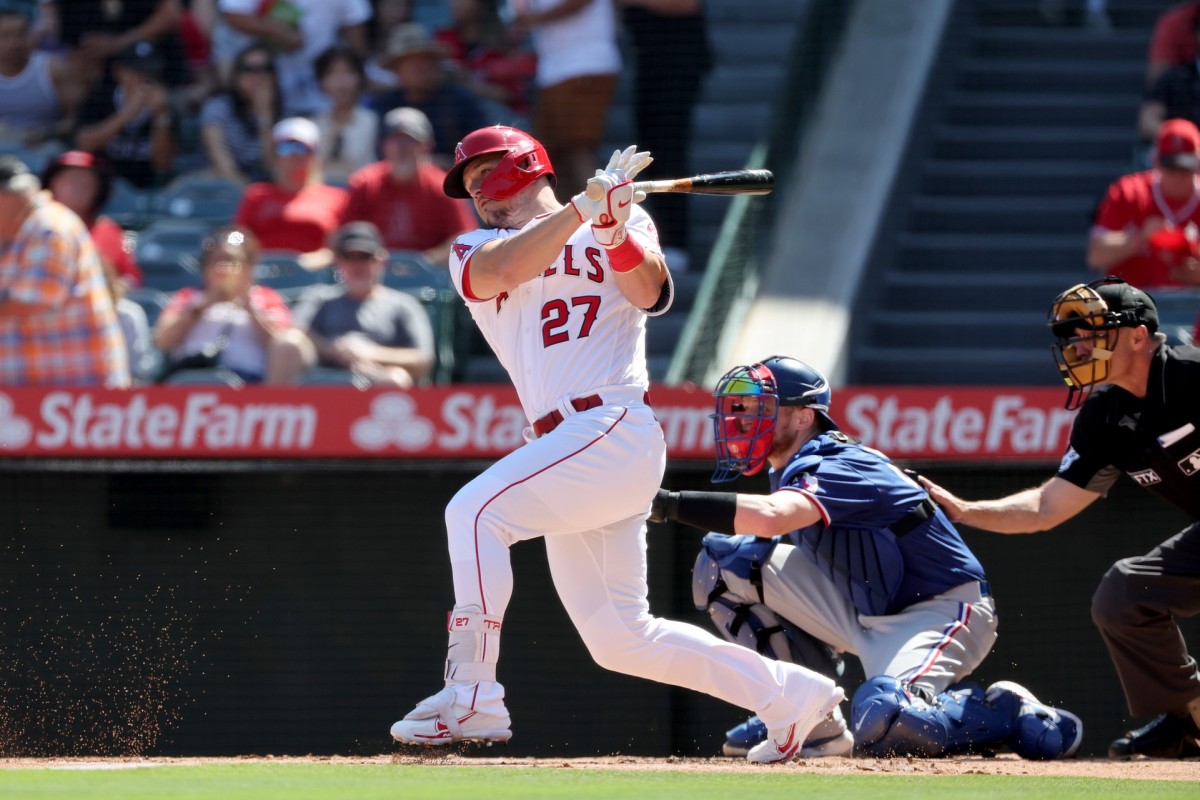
(889, 721)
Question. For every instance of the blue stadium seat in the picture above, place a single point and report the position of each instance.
(213, 376)
(280, 269)
(168, 253)
(1178, 310)
(128, 205)
(152, 301)
(199, 196)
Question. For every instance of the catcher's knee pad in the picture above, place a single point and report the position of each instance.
(753, 625)
(889, 721)
(1036, 737)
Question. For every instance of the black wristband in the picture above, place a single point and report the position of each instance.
(709, 511)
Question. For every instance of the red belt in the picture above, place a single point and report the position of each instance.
(555, 417)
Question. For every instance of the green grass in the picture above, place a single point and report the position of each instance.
(364, 782)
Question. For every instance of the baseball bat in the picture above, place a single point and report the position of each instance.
(734, 181)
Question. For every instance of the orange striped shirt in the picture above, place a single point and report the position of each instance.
(75, 340)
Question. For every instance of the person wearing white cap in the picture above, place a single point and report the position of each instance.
(295, 211)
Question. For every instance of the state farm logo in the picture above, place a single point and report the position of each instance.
(15, 432)
(393, 421)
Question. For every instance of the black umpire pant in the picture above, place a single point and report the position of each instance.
(1135, 608)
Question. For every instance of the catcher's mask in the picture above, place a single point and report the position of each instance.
(1093, 314)
(748, 400)
(525, 160)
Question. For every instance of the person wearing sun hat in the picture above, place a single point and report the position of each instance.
(296, 211)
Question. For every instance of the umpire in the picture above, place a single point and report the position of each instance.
(1144, 421)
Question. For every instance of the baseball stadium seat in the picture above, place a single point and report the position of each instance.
(198, 196)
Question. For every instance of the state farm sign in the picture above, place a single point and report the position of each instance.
(481, 422)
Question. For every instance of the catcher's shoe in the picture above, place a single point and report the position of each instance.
(1166, 736)
(1039, 731)
(829, 738)
(783, 744)
(438, 720)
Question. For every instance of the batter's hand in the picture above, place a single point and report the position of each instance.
(951, 505)
(629, 161)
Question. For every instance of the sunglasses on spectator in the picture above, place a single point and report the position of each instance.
(292, 148)
(355, 255)
(255, 68)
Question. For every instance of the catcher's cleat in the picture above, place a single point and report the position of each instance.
(438, 720)
(829, 738)
(783, 744)
(1039, 731)
(1166, 736)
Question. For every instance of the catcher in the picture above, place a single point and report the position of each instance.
(1144, 421)
(848, 552)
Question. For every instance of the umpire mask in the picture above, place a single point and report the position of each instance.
(1094, 313)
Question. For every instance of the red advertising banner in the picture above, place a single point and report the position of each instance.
(486, 422)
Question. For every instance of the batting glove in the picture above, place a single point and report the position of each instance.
(629, 161)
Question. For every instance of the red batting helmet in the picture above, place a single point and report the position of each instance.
(525, 162)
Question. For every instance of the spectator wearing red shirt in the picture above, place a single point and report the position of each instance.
(1172, 42)
(1148, 225)
(82, 182)
(402, 194)
(296, 211)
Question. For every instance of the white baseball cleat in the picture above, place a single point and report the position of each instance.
(438, 720)
(783, 744)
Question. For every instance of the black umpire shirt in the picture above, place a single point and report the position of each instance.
(1155, 440)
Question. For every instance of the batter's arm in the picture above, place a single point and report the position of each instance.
(501, 265)
(643, 285)
(1038, 509)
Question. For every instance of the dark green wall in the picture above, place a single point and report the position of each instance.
(302, 611)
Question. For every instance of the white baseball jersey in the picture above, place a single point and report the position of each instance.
(570, 331)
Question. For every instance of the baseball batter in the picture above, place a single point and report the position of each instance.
(851, 551)
(1143, 420)
(562, 293)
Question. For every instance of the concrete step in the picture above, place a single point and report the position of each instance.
(1024, 178)
(1038, 75)
(955, 366)
(1065, 45)
(1017, 215)
(943, 253)
(1052, 109)
(985, 292)
(966, 142)
(913, 328)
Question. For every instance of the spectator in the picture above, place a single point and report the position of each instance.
(349, 132)
(402, 194)
(82, 182)
(489, 59)
(381, 335)
(1176, 93)
(1173, 42)
(135, 329)
(422, 84)
(389, 14)
(671, 48)
(230, 322)
(58, 326)
(35, 90)
(132, 123)
(236, 125)
(1144, 213)
(296, 211)
(96, 32)
(300, 30)
(577, 65)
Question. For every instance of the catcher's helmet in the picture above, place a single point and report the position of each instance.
(748, 400)
(525, 161)
(1094, 313)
